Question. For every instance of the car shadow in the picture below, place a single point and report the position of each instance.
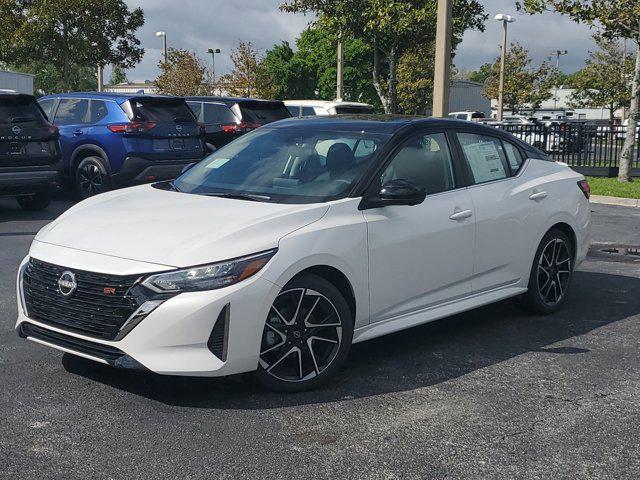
(419, 357)
(11, 211)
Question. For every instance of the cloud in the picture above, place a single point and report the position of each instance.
(197, 25)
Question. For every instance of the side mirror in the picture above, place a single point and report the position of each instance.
(187, 167)
(395, 192)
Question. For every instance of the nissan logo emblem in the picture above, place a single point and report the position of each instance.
(179, 128)
(16, 130)
(67, 284)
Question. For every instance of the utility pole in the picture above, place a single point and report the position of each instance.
(505, 19)
(624, 77)
(339, 76)
(442, 72)
(557, 53)
(164, 44)
(100, 78)
(213, 52)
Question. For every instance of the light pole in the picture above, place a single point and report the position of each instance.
(164, 43)
(557, 53)
(442, 71)
(213, 52)
(339, 74)
(505, 19)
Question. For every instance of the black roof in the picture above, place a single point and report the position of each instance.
(373, 123)
(230, 100)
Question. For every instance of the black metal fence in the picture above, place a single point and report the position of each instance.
(592, 149)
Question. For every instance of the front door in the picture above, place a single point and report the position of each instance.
(422, 255)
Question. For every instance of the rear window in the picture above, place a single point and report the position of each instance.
(219, 113)
(19, 110)
(353, 109)
(160, 110)
(263, 112)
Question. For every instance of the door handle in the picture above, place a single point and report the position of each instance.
(538, 196)
(461, 215)
(77, 132)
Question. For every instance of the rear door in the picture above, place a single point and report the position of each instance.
(508, 207)
(163, 129)
(26, 137)
(72, 118)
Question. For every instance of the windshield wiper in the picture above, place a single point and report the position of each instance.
(239, 196)
(182, 119)
(22, 119)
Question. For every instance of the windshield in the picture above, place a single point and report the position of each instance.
(285, 166)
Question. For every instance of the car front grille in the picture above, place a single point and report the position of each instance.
(98, 308)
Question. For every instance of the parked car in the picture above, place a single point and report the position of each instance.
(29, 151)
(278, 251)
(227, 118)
(468, 116)
(303, 108)
(111, 139)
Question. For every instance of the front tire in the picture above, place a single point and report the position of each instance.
(551, 273)
(91, 178)
(35, 202)
(306, 337)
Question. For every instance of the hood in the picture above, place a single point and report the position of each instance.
(177, 229)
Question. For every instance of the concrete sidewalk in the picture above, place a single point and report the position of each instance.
(624, 202)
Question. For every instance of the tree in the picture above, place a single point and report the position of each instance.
(183, 74)
(249, 76)
(604, 81)
(69, 35)
(524, 85)
(415, 79)
(289, 73)
(389, 28)
(118, 75)
(616, 19)
(482, 73)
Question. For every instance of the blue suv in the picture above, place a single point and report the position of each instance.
(111, 139)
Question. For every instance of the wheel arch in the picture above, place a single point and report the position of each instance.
(569, 232)
(338, 279)
(88, 150)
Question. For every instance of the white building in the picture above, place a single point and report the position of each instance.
(20, 82)
(466, 96)
(139, 86)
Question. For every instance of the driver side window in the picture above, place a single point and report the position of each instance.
(425, 161)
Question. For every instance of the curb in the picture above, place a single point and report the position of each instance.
(624, 202)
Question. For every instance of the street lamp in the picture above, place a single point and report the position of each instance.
(557, 53)
(213, 52)
(505, 19)
(164, 43)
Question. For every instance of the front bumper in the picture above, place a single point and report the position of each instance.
(174, 339)
(136, 170)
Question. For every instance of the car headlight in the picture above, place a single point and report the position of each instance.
(208, 277)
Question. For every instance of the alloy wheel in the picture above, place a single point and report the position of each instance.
(302, 335)
(554, 271)
(90, 180)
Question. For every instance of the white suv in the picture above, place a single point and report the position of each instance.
(304, 108)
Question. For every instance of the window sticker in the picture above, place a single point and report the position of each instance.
(484, 160)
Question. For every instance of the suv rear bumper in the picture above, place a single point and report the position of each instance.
(137, 170)
(28, 181)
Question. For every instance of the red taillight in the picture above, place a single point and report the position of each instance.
(203, 128)
(584, 186)
(54, 131)
(239, 127)
(131, 127)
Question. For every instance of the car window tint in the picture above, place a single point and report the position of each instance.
(307, 111)
(195, 107)
(98, 110)
(484, 156)
(514, 156)
(72, 111)
(47, 106)
(19, 109)
(218, 113)
(424, 161)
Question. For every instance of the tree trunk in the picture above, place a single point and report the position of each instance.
(393, 79)
(377, 81)
(630, 139)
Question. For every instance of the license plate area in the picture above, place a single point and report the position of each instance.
(176, 144)
(15, 148)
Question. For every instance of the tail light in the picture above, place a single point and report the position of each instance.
(584, 186)
(202, 128)
(131, 127)
(239, 127)
(53, 130)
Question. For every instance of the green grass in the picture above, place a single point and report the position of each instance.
(611, 187)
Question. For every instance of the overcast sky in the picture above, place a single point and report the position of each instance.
(197, 25)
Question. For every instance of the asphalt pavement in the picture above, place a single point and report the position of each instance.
(490, 394)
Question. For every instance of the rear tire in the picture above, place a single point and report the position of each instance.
(551, 274)
(35, 202)
(306, 337)
(91, 178)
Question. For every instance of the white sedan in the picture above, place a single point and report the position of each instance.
(278, 251)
